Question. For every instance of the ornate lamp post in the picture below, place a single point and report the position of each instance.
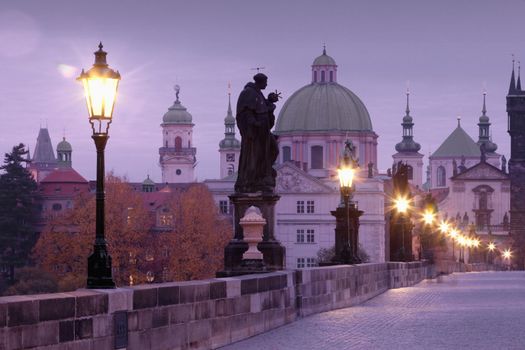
(100, 86)
(347, 217)
(402, 204)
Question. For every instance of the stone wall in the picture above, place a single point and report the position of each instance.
(196, 314)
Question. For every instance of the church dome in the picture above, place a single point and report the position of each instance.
(177, 113)
(64, 146)
(230, 143)
(323, 107)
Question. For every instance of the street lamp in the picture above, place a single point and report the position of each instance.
(100, 87)
(453, 233)
(401, 205)
(491, 248)
(346, 174)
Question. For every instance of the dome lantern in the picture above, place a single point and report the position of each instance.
(324, 69)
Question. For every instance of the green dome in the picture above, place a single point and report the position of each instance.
(177, 114)
(323, 107)
(324, 60)
(148, 181)
(230, 143)
(64, 146)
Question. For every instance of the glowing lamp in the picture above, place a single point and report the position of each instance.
(444, 227)
(491, 246)
(454, 233)
(507, 254)
(100, 88)
(401, 204)
(428, 217)
(346, 178)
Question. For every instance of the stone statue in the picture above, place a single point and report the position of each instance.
(255, 119)
(370, 170)
(454, 167)
(483, 150)
(504, 164)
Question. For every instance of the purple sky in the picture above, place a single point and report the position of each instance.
(448, 50)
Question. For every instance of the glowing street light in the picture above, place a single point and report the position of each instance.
(428, 217)
(100, 87)
(444, 227)
(491, 246)
(507, 254)
(401, 204)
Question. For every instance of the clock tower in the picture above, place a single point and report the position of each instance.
(177, 154)
(229, 147)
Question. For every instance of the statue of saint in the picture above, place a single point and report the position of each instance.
(255, 119)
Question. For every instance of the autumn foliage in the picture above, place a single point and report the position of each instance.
(191, 248)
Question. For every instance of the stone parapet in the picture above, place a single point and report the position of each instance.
(204, 314)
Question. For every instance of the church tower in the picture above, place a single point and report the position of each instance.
(43, 161)
(516, 130)
(484, 130)
(408, 150)
(64, 151)
(177, 154)
(229, 147)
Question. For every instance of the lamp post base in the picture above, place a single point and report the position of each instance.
(99, 270)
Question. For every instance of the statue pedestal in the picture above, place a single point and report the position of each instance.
(272, 250)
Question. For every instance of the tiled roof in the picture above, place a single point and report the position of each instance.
(458, 144)
(64, 175)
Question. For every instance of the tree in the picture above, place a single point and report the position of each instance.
(31, 280)
(17, 210)
(199, 235)
(67, 240)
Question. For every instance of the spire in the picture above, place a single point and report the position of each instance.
(229, 140)
(459, 121)
(324, 49)
(408, 145)
(512, 87)
(484, 109)
(518, 84)
(408, 95)
(230, 100)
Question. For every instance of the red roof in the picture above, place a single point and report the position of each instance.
(62, 175)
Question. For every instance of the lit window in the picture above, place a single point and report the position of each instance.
(310, 236)
(310, 207)
(300, 236)
(300, 263)
(300, 207)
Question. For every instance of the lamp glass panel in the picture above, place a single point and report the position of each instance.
(101, 94)
(346, 177)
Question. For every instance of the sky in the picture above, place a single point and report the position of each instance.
(447, 51)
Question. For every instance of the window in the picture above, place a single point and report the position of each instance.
(310, 236)
(231, 169)
(410, 172)
(300, 207)
(230, 157)
(287, 154)
(331, 76)
(223, 207)
(300, 236)
(178, 143)
(322, 76)
(311, 262)
(178, 171)
(300, 263)
(165, 218)
(317, 157)
(57, 206)
(315, 77)
(310, 207)
(166, 143)
(441, 176)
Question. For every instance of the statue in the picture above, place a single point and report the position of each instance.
(259, 149)
(454, 167)
(483, 150)
(370, 170)
(504, 164)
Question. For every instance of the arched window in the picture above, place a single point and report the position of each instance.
(287, 154)
(178, 142)
(317, 157)
(322, 76)
(410, 172)
(315, 76)
(331, 76)
(441, 176)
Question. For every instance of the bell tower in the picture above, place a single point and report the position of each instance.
(177, 154)
(229, 147)
(516, 130)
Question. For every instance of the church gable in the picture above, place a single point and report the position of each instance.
(291, 179)
(481, 171)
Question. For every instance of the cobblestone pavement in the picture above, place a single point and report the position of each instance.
(484, 310)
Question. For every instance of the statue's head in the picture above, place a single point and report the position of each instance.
(261, 80)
